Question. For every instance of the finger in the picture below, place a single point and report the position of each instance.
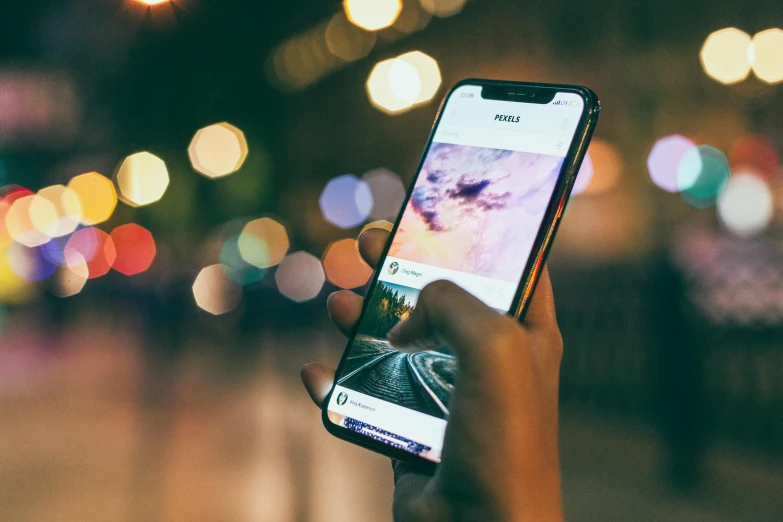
(371, 245)
(445, 314)
(540, 314)
(318, 380)
(344, 308)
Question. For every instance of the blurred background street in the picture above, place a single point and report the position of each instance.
(182, 183)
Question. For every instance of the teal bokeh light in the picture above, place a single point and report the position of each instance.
(236, 268)
(702, 174)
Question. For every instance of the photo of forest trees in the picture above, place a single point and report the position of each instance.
(389, 304)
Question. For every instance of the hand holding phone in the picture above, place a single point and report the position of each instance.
(500, 454)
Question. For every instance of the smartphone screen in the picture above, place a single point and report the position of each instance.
(472, 217)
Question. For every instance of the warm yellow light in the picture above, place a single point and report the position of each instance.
(272, 247)
(218, 150)
(69, 280)
(372, 14)
(68, 211)
(153, 2)
(726, 55)
(14, 288)
(21, 219)
(97, 195)
(607, 167)
(142, 179)
(214, 292)
(347, 41)
(403, 82)
(767, 54)
(443, 8)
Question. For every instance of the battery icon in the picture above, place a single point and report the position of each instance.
(573, 103)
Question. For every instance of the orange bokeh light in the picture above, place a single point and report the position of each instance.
(344, 265)
(135, 249)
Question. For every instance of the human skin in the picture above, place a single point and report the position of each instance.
(500, 455)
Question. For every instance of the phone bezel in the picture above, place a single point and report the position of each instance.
(539, 251)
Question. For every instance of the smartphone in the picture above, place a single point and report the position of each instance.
(482, 211)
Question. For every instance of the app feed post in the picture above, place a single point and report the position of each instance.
(472, 218)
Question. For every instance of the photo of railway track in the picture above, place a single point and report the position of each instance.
(421, 381)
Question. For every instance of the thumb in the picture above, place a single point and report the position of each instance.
(445, 314)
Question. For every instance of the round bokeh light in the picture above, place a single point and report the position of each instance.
(755, 152)
(768, 55)
(344, 265)
(214, 292)
(300, 276)
(665, 158)
(135, 249)
(68, 211)
(388, 193)
(235, 267)
(746, 206)
(218, 150)
(400, 83)
(702, 175)
(372, 15)
(346, 201)
(726, 55)
(263, 242)
(28, 263)
(97, 196)
(142, 179)
(23, 214)
(70, 280)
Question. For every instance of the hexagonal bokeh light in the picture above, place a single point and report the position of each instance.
(665, 158)
(346, 201)
(214, 292)
(702, 175)
(300, 276)
(263, 242)
(746, 206)
(767, 55)
(372, 14)
(70, 280)
(68, 211)
(726, 55)
(22, 216)
(28, 264)
(218, 150)
(235, 267)
(93, 247)
(142, 179)
(344, 265)
(755, 152)
(400, 83)
(8, 195)
(97, 195)
(347, 41)
(388, 193)
(443, 8)
(13, 288)
(135, 249)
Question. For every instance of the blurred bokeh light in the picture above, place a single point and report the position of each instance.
(443, 8)
(746, 206)
(153, 2)
(20, 220)
(726, 55)
(91, 246)
(300, 276)
(381, 223)
(97, 195)
(28, 264)
(7, 197)
(702, 175)
(756, 152)
(263, 242)
(584, 176)
(142, 178)
(135, 249)
(214, 292)
(218, 150)
(400, 83)
(70, 280)
(346, 201)
(388, 193)
(344, 265)
(235, 267)
(68, 211)
(767, 55)
(14, 289)
(665, 158)
(372, 14)
(607, 166)
(347, 41)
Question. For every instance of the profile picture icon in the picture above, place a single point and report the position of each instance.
(341, 398)
(394, 267)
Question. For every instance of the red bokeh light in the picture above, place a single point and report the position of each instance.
(135, 248)
(754, 151)
(104, 257)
